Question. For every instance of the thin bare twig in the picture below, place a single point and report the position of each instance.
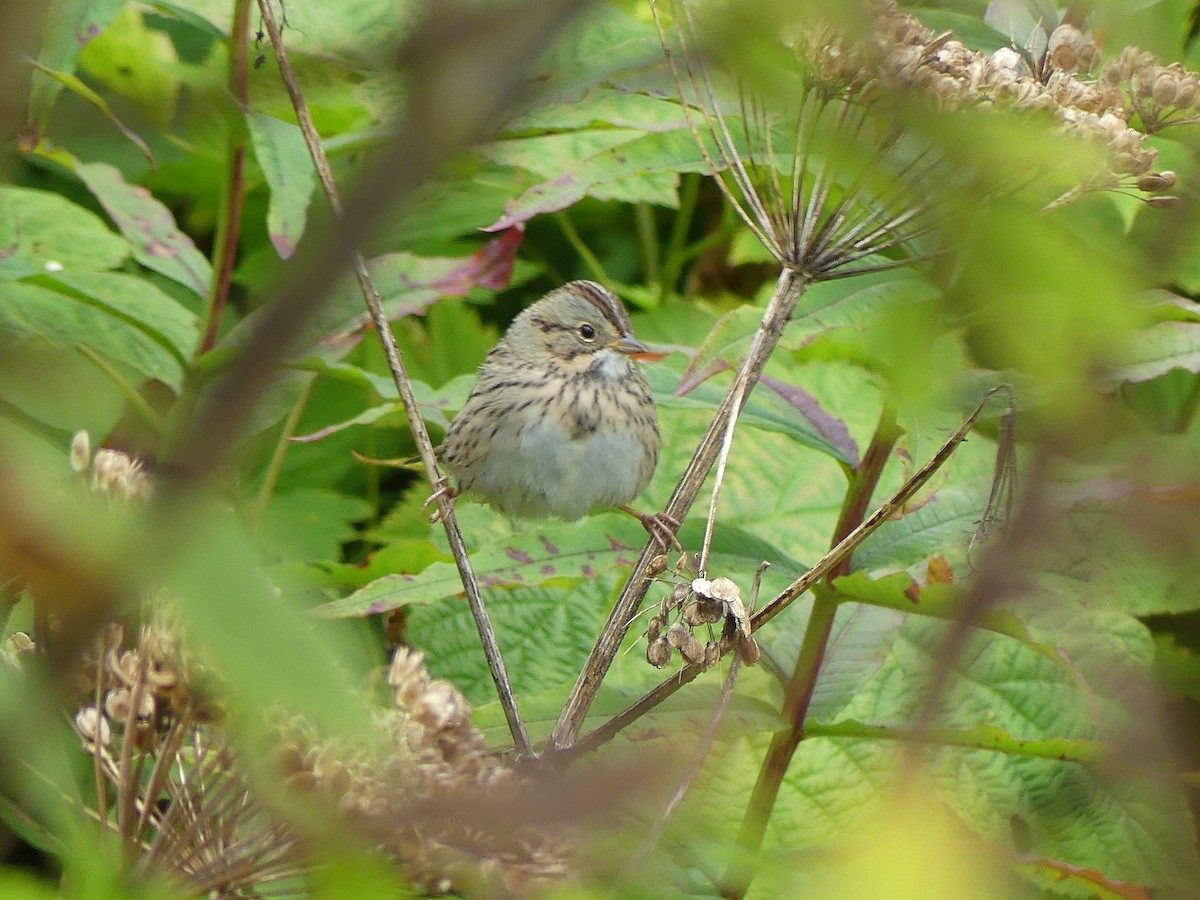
(487, 636)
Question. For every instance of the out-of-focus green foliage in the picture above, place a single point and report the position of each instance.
(1042, 772)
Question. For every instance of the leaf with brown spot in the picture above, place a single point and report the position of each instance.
(148, 225)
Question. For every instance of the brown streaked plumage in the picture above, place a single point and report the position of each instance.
(561, 421)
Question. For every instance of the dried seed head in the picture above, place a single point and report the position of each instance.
(117, 705)
(657, 566)
(1162, 202)
(654, 628)
(1187, 93)
(81, 451)
(1154, 182)
(89, 723)
(1165, 89)
(658, 653)
(679, 593)
(686, 643)
(702, 610)
(718, 589)
(749, 651)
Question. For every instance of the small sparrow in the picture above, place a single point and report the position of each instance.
(561, 421)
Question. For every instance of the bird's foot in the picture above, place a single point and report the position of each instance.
(446, 490)
(661, 527)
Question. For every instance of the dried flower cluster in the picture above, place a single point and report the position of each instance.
(700, 603)
(167, 784)
(111, 472)
(1159, 95)
(901, 57)
(427, 793)
(421, 788)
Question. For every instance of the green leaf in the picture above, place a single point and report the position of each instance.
(157, 242)
(846, 303)
(152, 85)
(42, 232)
(67, 319)
(253, 635)
(562, 554)
(138, 303)
(76, 86)
(73, 24)
(283, 156)
(1158, 349)
(942, 525)
(764, 409)
(312, 525)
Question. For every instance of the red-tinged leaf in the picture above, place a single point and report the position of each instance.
(693, 376)
(827, 424)
(1096, 883)
(490, 266)
(725, 343)
(148, 225)
(367, 417)
(549, 196)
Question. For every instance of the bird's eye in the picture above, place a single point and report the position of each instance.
(587, 332)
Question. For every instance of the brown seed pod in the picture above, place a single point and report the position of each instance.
(1153, 182)
(749, 651)
(658, 653)
(686, 643)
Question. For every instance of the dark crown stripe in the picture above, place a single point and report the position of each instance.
(605, 301)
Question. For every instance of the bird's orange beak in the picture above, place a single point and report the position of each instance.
(635, 349)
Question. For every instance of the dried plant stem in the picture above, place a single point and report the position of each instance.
(487, 636)
(234, 197)
(788, 291)
(655, 832)
(797, 588)
(718, 480)
(798, 696)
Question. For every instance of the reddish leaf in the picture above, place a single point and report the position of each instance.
(490, 266)
(828, 425)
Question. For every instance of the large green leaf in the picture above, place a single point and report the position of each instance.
(283, 156)
(1158, 349)
(846, 303)
(558, 554)
(95, 320)
(157, 242)
(43, 232)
